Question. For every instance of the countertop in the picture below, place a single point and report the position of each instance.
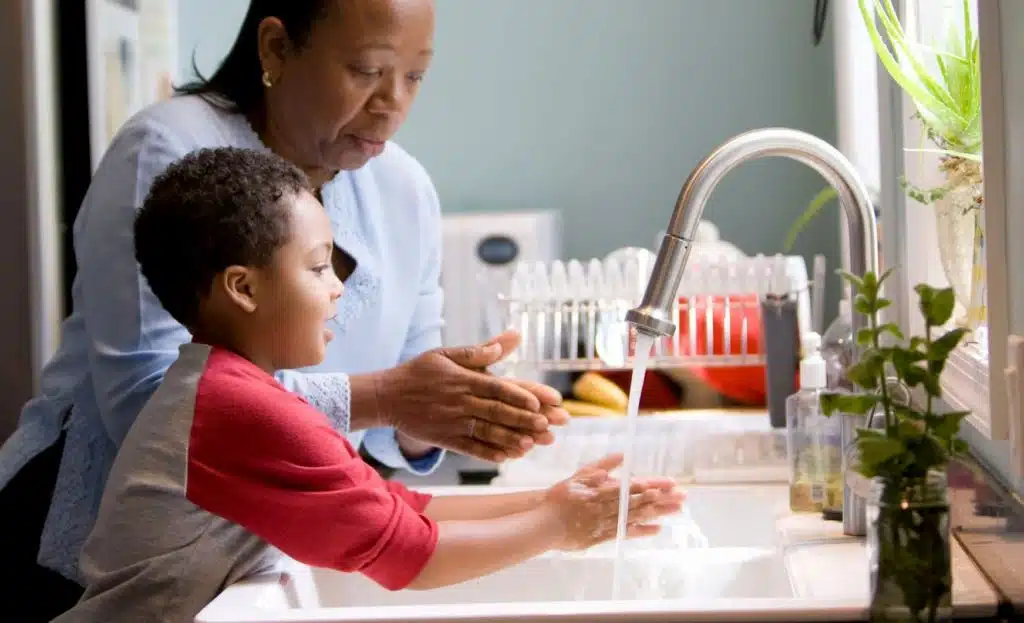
(825, 564)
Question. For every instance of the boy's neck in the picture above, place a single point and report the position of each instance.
(212, 339)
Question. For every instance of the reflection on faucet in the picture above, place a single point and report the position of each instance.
(654, 314)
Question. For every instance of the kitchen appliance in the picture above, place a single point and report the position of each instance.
(480, 255)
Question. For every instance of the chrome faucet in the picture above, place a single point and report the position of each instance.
(653, 316)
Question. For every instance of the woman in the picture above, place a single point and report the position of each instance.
(325, 84)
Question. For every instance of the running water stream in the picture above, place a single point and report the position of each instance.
(643, 351)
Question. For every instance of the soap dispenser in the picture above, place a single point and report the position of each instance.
(812, 438)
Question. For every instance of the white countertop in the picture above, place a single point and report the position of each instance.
(825, 564)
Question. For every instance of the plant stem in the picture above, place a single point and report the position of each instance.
(877, 345)
(928, 403)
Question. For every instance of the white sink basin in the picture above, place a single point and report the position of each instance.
(723, 573)
(740, 569)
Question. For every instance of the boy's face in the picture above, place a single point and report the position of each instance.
(299, 291)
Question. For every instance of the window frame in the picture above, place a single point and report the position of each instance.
(967, 382)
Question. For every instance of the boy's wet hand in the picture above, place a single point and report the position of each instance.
(587, 504)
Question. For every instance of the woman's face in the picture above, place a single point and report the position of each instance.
(337, 98)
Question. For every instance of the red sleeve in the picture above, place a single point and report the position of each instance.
(263, 458)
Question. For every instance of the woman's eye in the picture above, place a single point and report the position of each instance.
(320, 270)
(416, 76)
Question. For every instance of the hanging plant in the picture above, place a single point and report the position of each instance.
(945, 86)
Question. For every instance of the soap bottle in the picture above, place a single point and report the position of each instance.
(838, 349)
(812, 447)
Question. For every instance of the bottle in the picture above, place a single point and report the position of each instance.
(813, 449)
(838, 349)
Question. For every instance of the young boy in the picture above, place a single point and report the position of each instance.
(224, 468)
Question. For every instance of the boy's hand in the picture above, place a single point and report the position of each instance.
(587, 504)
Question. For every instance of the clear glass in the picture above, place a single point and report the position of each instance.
(814, 453)
(838, 351)
(908, 547)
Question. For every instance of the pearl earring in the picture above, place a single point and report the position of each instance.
(267, 81)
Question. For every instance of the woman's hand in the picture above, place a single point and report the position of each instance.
(587, 504)
(445, 397)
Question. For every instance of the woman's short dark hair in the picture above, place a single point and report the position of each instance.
(213, 208)
(237, 84)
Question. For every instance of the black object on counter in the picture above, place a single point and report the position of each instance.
(781, 331)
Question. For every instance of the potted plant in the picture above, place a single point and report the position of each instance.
(945, 85)
(905, 453)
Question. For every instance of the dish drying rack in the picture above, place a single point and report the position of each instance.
(572, 316)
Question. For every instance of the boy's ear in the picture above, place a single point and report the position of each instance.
(239, 283)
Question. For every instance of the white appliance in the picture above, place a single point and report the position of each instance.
(480, 254)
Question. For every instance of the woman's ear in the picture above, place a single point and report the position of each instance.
(273, 46)
(239, 284)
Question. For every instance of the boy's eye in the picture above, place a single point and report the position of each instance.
(369, 72)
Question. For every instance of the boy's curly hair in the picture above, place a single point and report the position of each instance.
(212, 209)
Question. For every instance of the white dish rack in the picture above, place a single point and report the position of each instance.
(572, 316)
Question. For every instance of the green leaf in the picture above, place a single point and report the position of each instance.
(940, 348)
(854, 404)
(947, 425)
(905, 360)
(891, 328)
(877, 450)
(910, 429)
(936, 305)
(852, 279)
(868, 371)
(908, 413)
(862, 304)
(914, 375)
(810, 212)
(865, 337)
(870, 282)
(960, 447)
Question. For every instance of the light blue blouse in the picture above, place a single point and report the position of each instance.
(119, 341)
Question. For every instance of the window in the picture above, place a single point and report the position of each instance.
(942, 236)
(910, 230)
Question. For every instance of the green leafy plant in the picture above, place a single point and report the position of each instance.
(910, 446)
(945, 86)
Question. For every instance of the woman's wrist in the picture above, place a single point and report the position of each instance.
(411, 448)
(367, 402)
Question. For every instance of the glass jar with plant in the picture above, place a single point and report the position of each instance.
(944, 83)
(907, 455)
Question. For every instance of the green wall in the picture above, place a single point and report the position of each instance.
(600, 108)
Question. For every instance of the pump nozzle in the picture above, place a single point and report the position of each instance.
(812, 365)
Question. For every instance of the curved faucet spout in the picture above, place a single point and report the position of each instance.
(654, 314)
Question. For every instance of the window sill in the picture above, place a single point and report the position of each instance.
(965, 384)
